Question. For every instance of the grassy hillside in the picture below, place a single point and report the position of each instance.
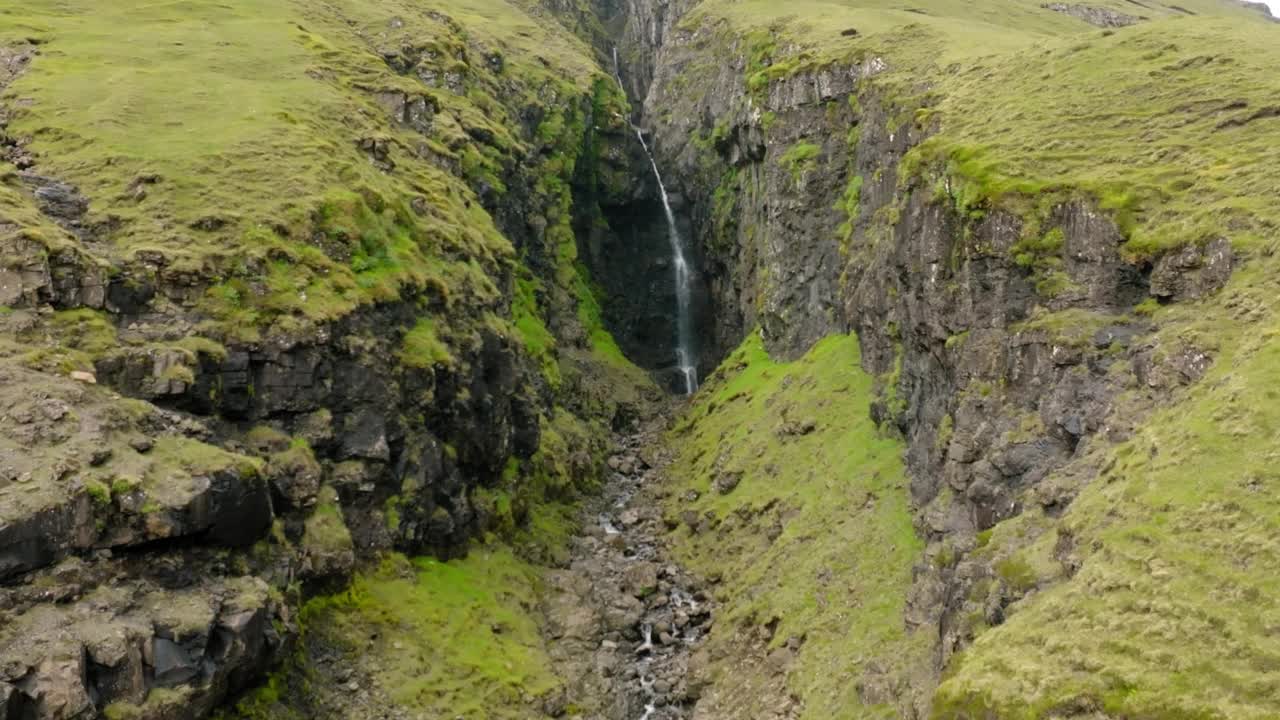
(1169, 124)
(269, 167)
(941, 31)
(451, 639)
(1172, 613)
(789, 474)
(251, 143)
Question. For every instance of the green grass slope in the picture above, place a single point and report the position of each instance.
(1170, 125)
(934, 31)
(253, 160)
(1166, 125)
(815, 541)
(445, 639)
(246, 142)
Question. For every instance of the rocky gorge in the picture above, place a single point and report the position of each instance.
(343, 347)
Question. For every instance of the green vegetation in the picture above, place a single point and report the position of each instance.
(75, 340)
(724, 203)
(851, 206)
(159, 700)
(99, 491)
(1043, 257)
(1162, 130)
(325, 530)
(297, 197)
(817, 535)
(263, 703)
(812, 33)
(200, 459)
(423, 349)
(1072, 328)
(801, 159)
(310, 197)
(1178, 168)
(535, 506)
(1169, 128)
(1168, 132)
(450, 639)
(537, 339)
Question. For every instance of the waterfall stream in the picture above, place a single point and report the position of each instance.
(686, 348)
(627, 620)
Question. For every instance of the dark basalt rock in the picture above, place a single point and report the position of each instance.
(173, 664)
(208, 635)
(239, 511)
(1193, 272)
(8, 701)
(113, 586)
(42, 537)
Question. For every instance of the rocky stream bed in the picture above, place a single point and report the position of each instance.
(625, 623)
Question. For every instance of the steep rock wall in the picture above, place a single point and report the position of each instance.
(1002, 361)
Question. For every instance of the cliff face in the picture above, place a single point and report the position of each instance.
(1023, 323)
(245, 345)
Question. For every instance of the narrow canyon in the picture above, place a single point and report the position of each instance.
(639, 360)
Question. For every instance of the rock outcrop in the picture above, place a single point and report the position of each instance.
(1099, 16)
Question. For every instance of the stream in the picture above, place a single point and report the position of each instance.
(624, 621)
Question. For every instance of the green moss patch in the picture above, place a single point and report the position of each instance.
(423, 349)
(450, 639)
(801, 159)
(534, 335)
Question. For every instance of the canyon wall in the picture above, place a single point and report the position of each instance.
(1016, 341)
(370, 334)
(990, 287)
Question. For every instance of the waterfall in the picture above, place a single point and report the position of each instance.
(686, 349)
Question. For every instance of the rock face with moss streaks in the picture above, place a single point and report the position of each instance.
(1016, 331)
(243, 350)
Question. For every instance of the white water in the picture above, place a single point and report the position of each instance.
(686, 351)
(647, 646)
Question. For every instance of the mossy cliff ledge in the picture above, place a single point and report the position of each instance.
(283, 287)
(1013, 209)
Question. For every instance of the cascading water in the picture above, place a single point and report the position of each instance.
(686, 349)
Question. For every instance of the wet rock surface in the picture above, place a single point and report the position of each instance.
(625, 623)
